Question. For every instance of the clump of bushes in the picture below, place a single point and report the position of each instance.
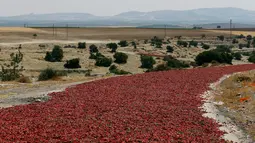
(241, 46)
(82, 45)
(170, 49)
(47, 74)
(123, 43)
(237, 56)
(120, 58)
(114, 69)
(103, 62)
(160, 67)
(240, 36)
(214, 55)
(235, 41)
(223, 49)
(56, 55)
(112, 46)
(96, 56)
(93, 49)
(182, 43)
(147, 62)
(205, 46)
(249, 37)
(221, 37)
(174, 63)
(252, 58)
(156, 41)
(193, 43)
(72, 64)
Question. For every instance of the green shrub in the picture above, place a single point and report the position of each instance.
(93, 49)
(223, 48)
(252, 58)
(206, 47)
(249, 37)
(241, 46)
(47, 74)
(112, 46)
(240, 36)
(115, 70)
(120, 57)
(155, 41)
(103, 62)
(174, 63)
(160, 67)
(182, 43)
(123, 43)
(213, 55)
(73, 64)
(193, 43)
(221, 37)
(55, 56)
(170, 49)
(147, 62)
(82, 45)
(235, 41)
(237, 56)
(48, 57)
(96, 56)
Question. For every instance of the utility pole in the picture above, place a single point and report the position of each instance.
(230, 29)
(165, 31)
(67, 31)
(53, 30)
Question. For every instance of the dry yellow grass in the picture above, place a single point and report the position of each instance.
(245, 33)
(237, 94)
(20, 29)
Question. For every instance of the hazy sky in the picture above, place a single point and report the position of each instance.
(112, 7)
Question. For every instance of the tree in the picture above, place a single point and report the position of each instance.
(147, 62)
(82, 45)
(12, 71)
(34, 35)
(93, 49)
(123, 43)
(103, 62)
(55, 56)
(249, 37)
(112, 46)
(120, 58)
(72, 64)
(170, 49)
(48, 57)
(57, 53)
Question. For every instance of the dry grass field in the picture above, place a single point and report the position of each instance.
(237, 94)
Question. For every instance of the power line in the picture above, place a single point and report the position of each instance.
(67, 31)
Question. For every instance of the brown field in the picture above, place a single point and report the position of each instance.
(11, 34)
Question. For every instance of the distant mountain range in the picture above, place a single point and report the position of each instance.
(176, 18)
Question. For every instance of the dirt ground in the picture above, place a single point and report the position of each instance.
(236, 100)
